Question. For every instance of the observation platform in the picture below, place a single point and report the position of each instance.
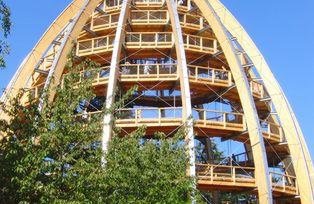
(237, 178)
(207, 123)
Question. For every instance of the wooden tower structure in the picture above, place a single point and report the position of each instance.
(184, 55)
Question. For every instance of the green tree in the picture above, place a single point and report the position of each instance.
(5, 28)
(147, 170)
(45, 155)
(55, 156)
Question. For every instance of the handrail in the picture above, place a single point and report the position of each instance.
(147, 39)
(193, 21)
(148, 1)
(227, 166)
(102, 72)
(226, 173)
(113, 5)
(148, 70)
(94, 44)
(149, 16)
(214, 172)
(149, 108)
(212, 74)
(257, 89)
(272, 129)
(283, 181)
(200, 43)
(217, 111)
(104, 21)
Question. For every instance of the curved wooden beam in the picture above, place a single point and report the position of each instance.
(301, 158)
(113, 75)
(28, 65)
(184, 82)
(242, 84)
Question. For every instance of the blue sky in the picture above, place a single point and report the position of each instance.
(283, 30)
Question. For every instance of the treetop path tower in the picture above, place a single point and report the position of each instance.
(194, 65)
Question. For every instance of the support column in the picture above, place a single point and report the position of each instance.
(241, 81)
(113, 75)
(299, 152)
(184, 82)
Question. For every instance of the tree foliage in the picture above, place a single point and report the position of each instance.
(54, 156)
(147, 170)
(5, 27)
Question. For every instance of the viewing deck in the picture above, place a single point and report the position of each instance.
(237, 178)
(101, 22)
(147, 41)
(206, 122)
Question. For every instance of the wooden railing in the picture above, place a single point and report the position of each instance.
(149, 39)
(112, 5)
(100, 75)
(226, 174)
(283, 183)
(243, 176)
(192, 21)
(95, 45)
(159, 115)
(212, 75)
(257, 89)
(130, 117)
(272, 131)
(146, 40)
(149, 17)
(219, 119)
(200, 44)
(150, 3)
(131, 72)
(104, 21)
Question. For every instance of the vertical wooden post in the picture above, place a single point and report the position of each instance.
(241, 81)
(302, 161)
(113, 75)
(184, 84)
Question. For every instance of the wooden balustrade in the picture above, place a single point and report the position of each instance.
(95, 45)
(143, 17)
(208, 117)
(219, 119)
(99, 76)
(112, 5)
(224, 174)
(211, 75)
(104, 21)
(191, 21)
(149, 40)
(257, 89)
(146, 40)
(283, 183)
(272, 131)
(133, 117)
(150, 3)
(148, 72)
(200, 44)
(139, 17)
